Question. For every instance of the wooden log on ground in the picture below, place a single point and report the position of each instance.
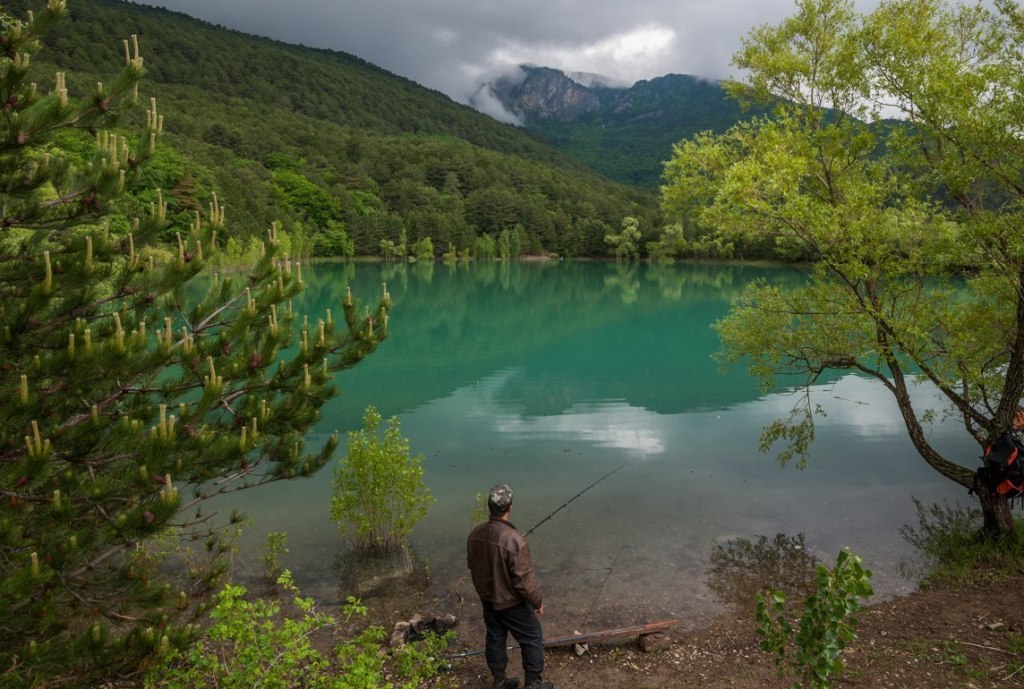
(609, 634)
(604, 635)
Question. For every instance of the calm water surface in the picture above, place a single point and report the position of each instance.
(549, 376)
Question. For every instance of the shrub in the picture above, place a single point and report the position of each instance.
(379, 493)
(826, 626)
(270, 554)
(252, 644)
(249, 646)
(954, 546)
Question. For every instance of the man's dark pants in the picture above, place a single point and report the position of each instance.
(521, 621)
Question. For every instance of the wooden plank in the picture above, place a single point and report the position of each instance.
(608, 634)
(603, 635)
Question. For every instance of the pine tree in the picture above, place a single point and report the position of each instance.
(123, 404)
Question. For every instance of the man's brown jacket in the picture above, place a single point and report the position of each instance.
(499, 561)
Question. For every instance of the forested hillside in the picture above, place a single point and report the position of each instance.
(343, 154)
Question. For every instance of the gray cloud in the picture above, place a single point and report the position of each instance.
(454, 45)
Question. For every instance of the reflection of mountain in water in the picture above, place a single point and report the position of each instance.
(574, 332)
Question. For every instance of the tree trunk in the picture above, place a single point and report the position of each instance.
(995, 510)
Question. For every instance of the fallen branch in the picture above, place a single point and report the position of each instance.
(993, 648)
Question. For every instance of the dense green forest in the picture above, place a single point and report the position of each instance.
(345, 156)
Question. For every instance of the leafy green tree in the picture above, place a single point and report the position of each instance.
(295, 191)
(423, 249)
(510, 243)
(671, 245)
(484, 248)
(890, 213)
(333, 240)
(132, 391)
(452, 255)
(388, 249)
(378, 487)
(625, 244)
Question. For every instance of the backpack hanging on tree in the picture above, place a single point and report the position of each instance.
(1003, 470)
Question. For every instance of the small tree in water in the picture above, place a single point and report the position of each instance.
(378, 488)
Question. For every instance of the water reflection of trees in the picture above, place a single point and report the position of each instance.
(500, 312)
(740, 568)
(624, 281)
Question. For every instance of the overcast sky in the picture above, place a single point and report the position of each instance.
(454, 45)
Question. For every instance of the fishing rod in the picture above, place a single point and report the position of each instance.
(567, 502)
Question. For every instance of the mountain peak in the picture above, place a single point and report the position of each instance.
(531, 92)
(622, 130)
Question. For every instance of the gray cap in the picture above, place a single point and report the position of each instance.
(499, 499)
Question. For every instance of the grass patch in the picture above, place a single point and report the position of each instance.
(954, 550)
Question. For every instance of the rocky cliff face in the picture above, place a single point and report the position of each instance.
(541, 93)
(622, 131)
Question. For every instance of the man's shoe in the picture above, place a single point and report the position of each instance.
(534, 681)
(503, 682)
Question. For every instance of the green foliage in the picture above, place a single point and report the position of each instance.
(413, 663)
(333, 240)
(888, 213)
(955, 547)
(360, 661)
(423, 249)
(250, 644)
(510, 243)
(671, 245)
(389, 250)
(625, 244)
(273, 547)
(480, 510)
(826, 626)
(255, 643)
(298, 193)
(485, 248)
(353, 606)
(131, 380)
(379, 493)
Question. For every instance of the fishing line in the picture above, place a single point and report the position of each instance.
(567, 502)
(605, 581)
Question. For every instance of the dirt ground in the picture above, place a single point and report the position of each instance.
(969, 637)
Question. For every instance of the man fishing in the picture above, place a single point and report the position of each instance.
(499, 562)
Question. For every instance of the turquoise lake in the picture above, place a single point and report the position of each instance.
(548, 376)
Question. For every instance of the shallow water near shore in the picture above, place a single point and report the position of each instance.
(549, 376)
